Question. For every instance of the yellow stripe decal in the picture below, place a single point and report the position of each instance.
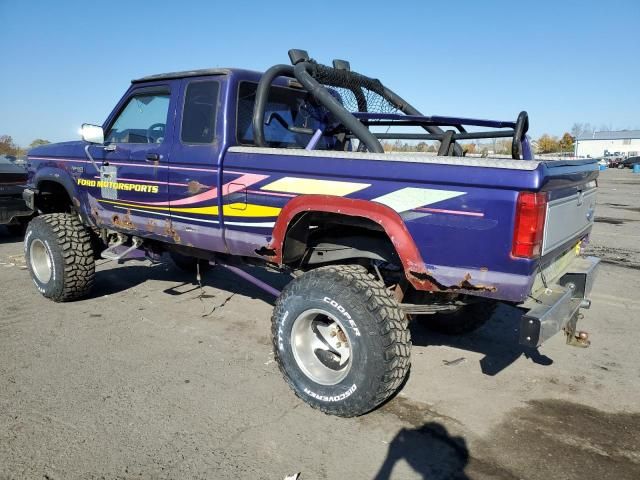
(231, 210)
(313, 186)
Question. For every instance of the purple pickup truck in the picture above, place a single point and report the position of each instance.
(287, 169)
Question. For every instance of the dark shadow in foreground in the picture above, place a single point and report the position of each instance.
(430, 451)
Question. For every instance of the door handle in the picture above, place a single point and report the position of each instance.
(152, 157)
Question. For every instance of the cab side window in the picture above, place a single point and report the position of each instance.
(199, 112)
(143, 120)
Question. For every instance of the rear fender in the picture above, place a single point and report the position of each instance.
(390, 221)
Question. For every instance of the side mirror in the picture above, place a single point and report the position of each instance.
(92, 133)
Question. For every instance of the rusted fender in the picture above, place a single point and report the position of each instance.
(391, 222)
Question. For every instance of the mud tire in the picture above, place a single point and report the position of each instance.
(380, 352)
(69, 249)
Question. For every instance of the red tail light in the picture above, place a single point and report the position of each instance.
(531, 210)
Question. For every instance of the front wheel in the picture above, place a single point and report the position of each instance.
(340, 340)
(59, 255)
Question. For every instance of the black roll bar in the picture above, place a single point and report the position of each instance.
(304, 71)
(409, 109)
(262, 95)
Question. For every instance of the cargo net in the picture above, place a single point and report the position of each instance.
(355, 92)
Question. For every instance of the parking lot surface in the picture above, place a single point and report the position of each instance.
(153, 377)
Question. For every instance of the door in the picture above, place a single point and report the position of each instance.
(193, 170)
(132, 191)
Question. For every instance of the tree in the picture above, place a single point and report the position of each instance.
(37, 142)
(581, 130)
(503, 147)
(566, 142)
(576, 129)
(548, 144)
(7, 147)
(469, 148)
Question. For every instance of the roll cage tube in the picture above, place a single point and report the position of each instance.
(262, 95)
(305, 71)
(302, 73)
(409, 109)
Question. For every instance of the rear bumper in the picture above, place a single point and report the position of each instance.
(554, 307)
(11, 208)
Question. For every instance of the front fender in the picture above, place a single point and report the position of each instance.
(67, 182)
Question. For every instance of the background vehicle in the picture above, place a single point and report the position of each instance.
(14, 213)
(630, 162)
(286, 170)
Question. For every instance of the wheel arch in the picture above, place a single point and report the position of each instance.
(290, 230)
(56, 192)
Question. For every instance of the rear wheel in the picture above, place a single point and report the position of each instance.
(340, 340)
(466, 319)
(59, 256)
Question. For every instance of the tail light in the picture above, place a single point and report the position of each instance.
(531, 210)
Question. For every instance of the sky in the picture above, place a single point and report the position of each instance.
(64, 63)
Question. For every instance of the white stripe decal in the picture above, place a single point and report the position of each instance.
(409, 198)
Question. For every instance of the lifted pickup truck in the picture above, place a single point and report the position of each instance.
(286, 169)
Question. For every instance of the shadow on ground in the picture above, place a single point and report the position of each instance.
(133, 273)
(497, 340)
(429, 450)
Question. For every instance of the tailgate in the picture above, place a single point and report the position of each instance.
(571, 188)
(569, 217)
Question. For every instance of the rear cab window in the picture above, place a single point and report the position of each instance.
(199, 112)
(291, 106)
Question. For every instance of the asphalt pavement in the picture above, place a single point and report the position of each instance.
(154, 377)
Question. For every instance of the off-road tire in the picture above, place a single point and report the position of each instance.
(70, 251)
(465, 320)
(189, 264)
(380, 341)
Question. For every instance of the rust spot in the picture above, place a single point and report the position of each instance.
(151, 225)
(169, 231)
(464, 284)
(194, 186)
(75, 202)
(124, 222)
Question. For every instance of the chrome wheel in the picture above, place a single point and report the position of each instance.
(321, 346)
(40, 260)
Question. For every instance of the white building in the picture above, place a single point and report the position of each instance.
(626, 142)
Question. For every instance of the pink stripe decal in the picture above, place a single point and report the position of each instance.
(230, 187)
(452, 212)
